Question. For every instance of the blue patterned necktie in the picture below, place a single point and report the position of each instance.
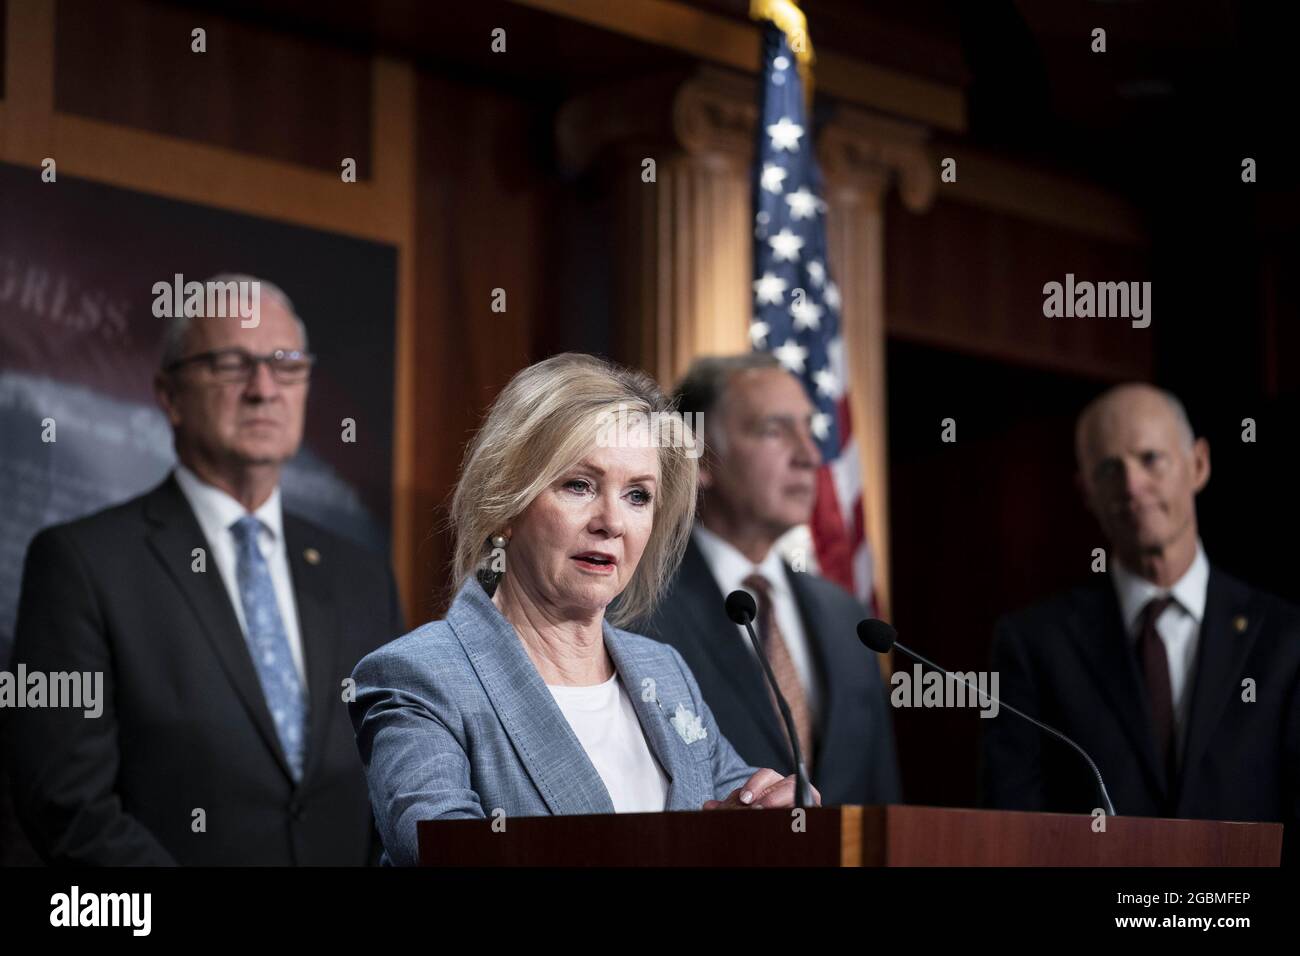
(269, 644)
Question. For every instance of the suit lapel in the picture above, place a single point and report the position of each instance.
(655, 715)
(175, 535)
(542, 737)
(1228, 632)
(1097, 629)
(316, 622)
(703, 608)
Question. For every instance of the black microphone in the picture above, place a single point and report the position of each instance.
(742, 609)
(880, 636)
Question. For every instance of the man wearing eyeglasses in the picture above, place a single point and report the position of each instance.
(225, 630)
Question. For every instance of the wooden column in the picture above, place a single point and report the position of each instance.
(861, 156)
(682, 283)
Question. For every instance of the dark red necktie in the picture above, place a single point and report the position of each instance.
(783, 669)
(1155, 669)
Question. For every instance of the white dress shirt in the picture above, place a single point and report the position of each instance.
(216, 512)
(730, 568)
(604, 720)
(1179, 627)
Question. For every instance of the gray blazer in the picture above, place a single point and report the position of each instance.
(454, 721)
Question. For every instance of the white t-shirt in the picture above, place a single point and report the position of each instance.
(604, 720)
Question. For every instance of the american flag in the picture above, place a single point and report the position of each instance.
(797, 309)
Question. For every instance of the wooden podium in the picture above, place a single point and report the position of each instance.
(847, 836)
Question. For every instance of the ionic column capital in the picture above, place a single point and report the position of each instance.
(862, 155)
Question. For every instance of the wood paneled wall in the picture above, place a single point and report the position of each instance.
(484, 217)
(969, 278)
(255, 91)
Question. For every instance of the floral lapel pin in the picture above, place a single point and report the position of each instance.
(688, 726)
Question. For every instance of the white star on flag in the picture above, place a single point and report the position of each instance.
(827, 383)
(772, 178)
(785, 134)
(803, 204)
(821, 425)
(770, 289)
(758, 330)
(786, 245)
(806, 314)
(833, 296)
(791, 355)
(816, 272)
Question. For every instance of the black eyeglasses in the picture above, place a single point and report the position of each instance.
(290, 367)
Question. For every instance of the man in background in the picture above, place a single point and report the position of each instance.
(757, 481)
(223, 627)
(1180, 681)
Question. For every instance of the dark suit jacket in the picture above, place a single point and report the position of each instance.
(854, 759)
(1068, 663)
(185, 724)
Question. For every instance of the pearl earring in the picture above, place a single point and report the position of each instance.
(499, 541)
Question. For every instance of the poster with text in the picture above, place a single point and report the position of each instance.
(80, 343)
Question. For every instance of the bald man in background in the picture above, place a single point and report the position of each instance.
(1180, 681)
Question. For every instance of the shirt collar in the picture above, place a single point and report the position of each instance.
(731, 567)
(213, 506)
(1134, 591)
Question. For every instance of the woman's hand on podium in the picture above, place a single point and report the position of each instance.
(767, 788)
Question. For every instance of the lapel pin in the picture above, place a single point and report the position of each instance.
(1239, 623)
(688, 726)
(311, 556)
